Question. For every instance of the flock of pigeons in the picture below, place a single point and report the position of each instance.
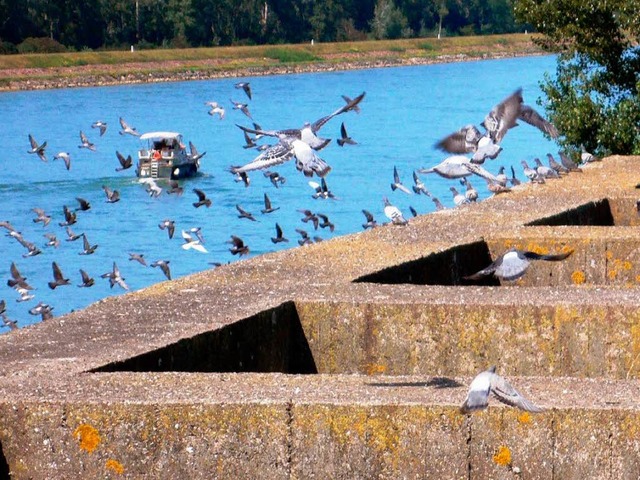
(470, 147)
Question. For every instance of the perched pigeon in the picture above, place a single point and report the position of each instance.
(393, 213)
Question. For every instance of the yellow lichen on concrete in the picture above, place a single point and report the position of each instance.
(375, 368)
(373, 431)
(503, 456)
(88, 437)
(524, 418)
(578, 277)
(115, 466)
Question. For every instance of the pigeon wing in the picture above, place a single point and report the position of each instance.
(510, 396)
(352, 105)
(503, 116)
(274, 155)
(532, 117)
(485, 271)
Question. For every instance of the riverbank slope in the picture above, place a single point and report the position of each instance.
(81, 69)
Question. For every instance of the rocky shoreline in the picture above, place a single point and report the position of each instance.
(176, 71)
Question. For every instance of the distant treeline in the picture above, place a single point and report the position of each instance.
(53, 25)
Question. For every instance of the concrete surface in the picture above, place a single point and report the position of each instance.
(279, 367)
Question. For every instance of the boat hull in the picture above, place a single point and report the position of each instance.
(166, 170)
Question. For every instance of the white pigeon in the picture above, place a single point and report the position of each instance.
(458, 166)
(153, 189)
(216, 109)
(191, 243)
(393, 213)
(490, 382)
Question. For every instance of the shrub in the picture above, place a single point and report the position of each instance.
(41, 45)
(7, 48)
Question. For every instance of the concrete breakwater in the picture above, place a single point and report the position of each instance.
(349, 358)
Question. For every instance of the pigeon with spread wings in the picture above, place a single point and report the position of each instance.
(513, 264)
(490, 382)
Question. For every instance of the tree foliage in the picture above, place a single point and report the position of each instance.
(594, 99)
(147, 23)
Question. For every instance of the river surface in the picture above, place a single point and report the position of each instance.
(405, 111)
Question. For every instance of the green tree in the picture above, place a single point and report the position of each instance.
(594, 98)
(388, 21)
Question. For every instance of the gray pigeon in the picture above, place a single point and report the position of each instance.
(513, 264)
(490, 382)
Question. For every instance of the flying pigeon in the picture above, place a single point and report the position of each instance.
(239, 248)
(85, 143)
(344, 137)
(215, 109)
(244, 86)
(458, 166)
(371, 223)
(124, 162)
(513, 264)
(397, 184)
(87, 281)
(101, 125)
(66, 157)
(37, 149)
(202, 199)
(268, 208)
(279, 236)
(490, 382)
(164, 266)
(58, 277)
(126, 129)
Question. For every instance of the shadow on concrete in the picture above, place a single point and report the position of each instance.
(4, 465)
(596, 213)
(436, 382)
(271, 341)
(443, 268)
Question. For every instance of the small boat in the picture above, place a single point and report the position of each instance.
(166, 157)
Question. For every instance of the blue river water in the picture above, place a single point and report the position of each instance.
(405, 111)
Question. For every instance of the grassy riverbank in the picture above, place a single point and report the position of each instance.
(34, 71)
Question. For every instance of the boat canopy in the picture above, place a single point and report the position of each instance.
(160, 136)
